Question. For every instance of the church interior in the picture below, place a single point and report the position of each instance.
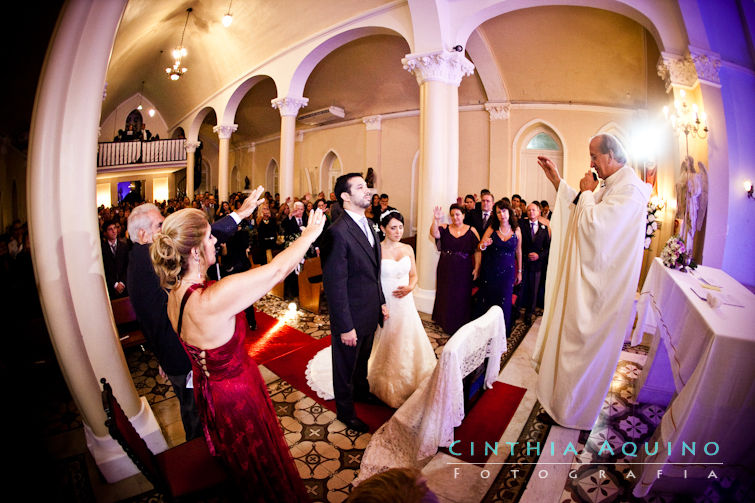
(440, 98)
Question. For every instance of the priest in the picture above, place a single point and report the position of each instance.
(595, 259)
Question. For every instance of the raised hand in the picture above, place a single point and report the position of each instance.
(549, 168)
(315, 223)
(251, 203)
(438, 213)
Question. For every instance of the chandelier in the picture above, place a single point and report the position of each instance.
(177, 70)
(687, 120)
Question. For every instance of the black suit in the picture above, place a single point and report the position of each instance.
(150, 304)
(351, 277)
(475, 219)
(538, 243)
(115, 265)
(291, 228)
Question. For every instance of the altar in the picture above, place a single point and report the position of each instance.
(707, 353)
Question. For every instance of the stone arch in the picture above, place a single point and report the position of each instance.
(310, 61)
(229, 112)
(272, 176)
(331, 168)
(524, 160)
(662, 21)
(196, 123)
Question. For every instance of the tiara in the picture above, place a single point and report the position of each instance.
(385, 214)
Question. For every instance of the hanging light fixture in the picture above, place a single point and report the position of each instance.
(141, 93)
(228, 18)
(177, 70)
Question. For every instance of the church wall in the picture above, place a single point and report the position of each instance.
(474, 152)
(738, 95)
(263, 153)
(399, 145)
(13, 169)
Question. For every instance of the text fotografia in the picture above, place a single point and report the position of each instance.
(628, 449)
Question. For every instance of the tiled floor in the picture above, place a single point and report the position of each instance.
(328, 455)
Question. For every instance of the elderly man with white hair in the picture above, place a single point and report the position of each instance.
(594, 268)
(150, 302)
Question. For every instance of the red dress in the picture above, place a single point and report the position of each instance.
(239, 422)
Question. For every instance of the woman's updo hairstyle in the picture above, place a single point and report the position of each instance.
(171, 248)
(385, 218)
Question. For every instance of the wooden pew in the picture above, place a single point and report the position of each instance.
(128, 327)
(310, 285)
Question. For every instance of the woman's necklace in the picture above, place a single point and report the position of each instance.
(455, 231)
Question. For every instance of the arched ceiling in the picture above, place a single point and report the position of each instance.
(555, 54)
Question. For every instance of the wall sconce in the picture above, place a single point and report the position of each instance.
(748, 188)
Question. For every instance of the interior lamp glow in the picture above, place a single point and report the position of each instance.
(151, 112)
(228, 18)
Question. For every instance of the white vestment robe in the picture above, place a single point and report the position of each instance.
(593, 271)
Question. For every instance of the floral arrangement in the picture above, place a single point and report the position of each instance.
(651, 222)
(676, 253)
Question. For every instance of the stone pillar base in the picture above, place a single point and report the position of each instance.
(424, 300)
(111, 459)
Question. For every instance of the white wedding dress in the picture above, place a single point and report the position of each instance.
(401, 352)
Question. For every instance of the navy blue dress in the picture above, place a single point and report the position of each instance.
(497, 276)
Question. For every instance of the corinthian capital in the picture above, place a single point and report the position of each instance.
(225, 131)
(707, 65)
(498, 111)
(443, 66)
(373, 122)
(289, 106)
(676, 70)
(191, 146)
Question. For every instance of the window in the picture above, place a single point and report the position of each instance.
(542, 141)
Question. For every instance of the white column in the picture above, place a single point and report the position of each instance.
(224, 134)
(288, 108)
(438, 75)
(64, 231)
(191, 147)
(498, 153)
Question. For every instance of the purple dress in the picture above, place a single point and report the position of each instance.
(497, 276)
(453, 296)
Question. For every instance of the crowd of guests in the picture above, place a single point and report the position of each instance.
(131, 133)
(491, 253)
(489, 256)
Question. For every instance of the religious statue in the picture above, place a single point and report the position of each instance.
(691, 200)
(369, 178)
(247, 183)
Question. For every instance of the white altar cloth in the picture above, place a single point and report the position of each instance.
(711, 355)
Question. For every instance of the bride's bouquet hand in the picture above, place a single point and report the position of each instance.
(402, 291)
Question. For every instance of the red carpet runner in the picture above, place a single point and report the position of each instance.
(486, 422)
(273, 339)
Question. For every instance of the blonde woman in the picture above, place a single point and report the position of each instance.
(239, 422)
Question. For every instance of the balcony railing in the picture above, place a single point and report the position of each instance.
(140, 152)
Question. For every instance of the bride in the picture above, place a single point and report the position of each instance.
(401, 353)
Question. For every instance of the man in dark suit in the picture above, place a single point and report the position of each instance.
(536, 242)
(114, 260)
(150, 303)
(296, 220)
(481, 218)
(351, 277)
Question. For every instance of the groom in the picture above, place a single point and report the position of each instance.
(351, 277)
